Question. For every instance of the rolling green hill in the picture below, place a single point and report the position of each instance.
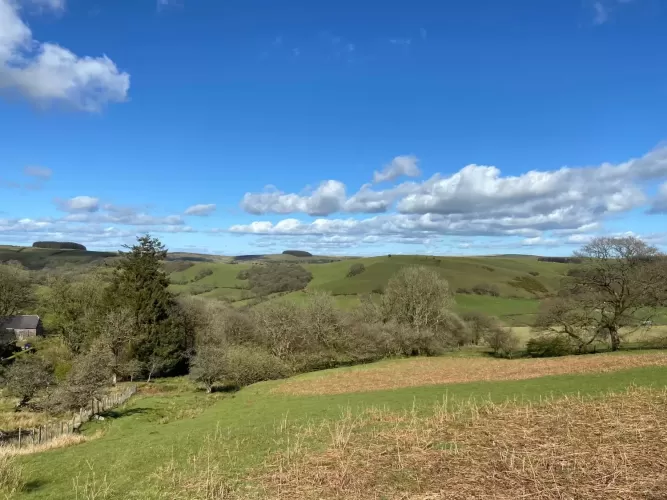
(39, 258)
(520, 280)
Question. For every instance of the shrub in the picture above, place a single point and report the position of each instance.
(243, 275)
(200, 288)
(280, 328)
(244, 365)
(534, 273)
(59, 245)
(465, 291)
(27, 376)
(356, 269)
(503, 341)
(486, 289)
(202, 273)
(90, 376)
(479, 324)
(417, 296)
(207, 366)
(547, 346)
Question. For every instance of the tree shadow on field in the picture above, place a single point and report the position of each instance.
(32, 486)
(126, 412)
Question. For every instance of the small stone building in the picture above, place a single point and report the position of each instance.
(20, 327)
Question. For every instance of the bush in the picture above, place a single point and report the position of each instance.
(207, 366)
(59, 245)
(465, 291)
(356, 269)
(281, 328)
(534, 273)
(547, 346)
(200, 288)
(486, 289)
(243, 275)
(202, 273)
(244, 365)
(479, 325)
(503, 341)
(27, 376)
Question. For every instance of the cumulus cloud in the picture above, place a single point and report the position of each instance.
(399, 166)
(328, 198)
(659, 205)
(79, 204)
(600, 190)
(46, 73)
(42, 173)
(565, 205)
(201, 209)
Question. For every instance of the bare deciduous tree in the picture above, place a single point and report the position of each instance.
(117, 329)
(207, 366)
(619, 283)
(479, 324)
(417, 296)
(27, 376)
(565, 316)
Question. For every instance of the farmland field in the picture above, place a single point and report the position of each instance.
(292, 439)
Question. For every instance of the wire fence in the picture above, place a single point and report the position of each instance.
(45, 433)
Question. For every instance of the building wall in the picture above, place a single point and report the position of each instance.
(25, 334)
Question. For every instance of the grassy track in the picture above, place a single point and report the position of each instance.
(173, 423)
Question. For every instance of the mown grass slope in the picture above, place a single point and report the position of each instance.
(151, 440)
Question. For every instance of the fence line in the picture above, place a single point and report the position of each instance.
(47, 432)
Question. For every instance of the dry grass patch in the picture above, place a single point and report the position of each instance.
(450, 370)
(64, 441)
(611, 448)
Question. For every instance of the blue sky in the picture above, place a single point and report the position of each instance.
(347, 127)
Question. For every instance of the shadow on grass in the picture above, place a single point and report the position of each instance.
(125, 412)
(32, 486)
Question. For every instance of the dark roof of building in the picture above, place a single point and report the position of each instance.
(29, 322)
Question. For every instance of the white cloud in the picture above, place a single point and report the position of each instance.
(479, 189)
(399, 166)
(562, 206)
(659, 205)
(328, 198)
(201, 209)
(79, 204)
(38, 172)
(46, 73)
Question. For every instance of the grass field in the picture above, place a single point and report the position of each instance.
(173, 442)
(521, 281)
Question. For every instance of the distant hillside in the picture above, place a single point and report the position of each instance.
(35, 258)
(39, 258)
